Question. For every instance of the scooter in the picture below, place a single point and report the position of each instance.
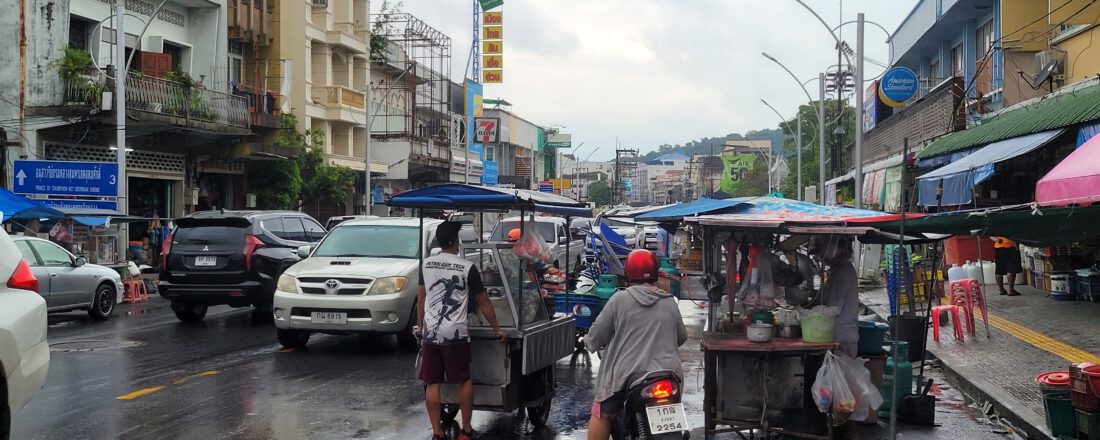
(653, 409)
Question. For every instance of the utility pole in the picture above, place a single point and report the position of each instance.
(859, 115)
(120, 124)
(366, 154)
(798, 154)
(821, 137)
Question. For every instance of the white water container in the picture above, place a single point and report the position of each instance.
(989, 272)
(974, 272)
(956, 273)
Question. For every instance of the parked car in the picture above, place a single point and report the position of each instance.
(553, 230)
(24, 354)
(69, 282)
(335, 220)
(231, 257)
(346, 286)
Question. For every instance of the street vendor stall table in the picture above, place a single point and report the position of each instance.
(716, 345)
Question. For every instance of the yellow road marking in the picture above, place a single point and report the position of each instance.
(287, 350)
(203, 374)
(1041, 341)
(139, 393)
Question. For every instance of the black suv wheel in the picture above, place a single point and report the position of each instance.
(189, 312)
(292, 338)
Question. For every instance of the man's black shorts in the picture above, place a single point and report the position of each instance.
(448, 363)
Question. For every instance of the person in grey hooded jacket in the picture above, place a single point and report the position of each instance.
(639, 331)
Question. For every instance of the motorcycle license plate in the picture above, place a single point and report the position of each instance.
(666, 418)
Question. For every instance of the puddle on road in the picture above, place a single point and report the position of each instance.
(80, 346)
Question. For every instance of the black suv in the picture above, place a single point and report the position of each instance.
(231, 257)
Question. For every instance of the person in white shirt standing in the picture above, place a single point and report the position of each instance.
(447, 285)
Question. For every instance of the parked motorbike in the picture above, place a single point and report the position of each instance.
(653, 409)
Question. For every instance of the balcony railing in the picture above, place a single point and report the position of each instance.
(263, 105)
(341, 96)
(157, 95)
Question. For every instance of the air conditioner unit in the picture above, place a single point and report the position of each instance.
(320, 3)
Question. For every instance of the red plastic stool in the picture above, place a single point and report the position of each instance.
(960, 296)
(976, 298)
(954, 311)
(134, 291)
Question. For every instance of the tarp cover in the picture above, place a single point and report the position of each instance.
(1074, 181)
(1034, 227)
(771, 210)
(692, 208)
(19, 207)
(474, 197)
(959, 178)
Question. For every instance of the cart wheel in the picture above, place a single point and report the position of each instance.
(538, 415)
(448, 413)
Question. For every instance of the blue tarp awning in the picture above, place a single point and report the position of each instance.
(19, 207)
(474, 197)
(959, 178)
(693, 208)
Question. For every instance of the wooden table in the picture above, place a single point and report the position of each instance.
(723, 344)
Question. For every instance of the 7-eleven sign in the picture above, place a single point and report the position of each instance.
(487, 130)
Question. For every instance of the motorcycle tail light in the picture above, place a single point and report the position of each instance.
(661, 389)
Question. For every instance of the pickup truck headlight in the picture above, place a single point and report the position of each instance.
(287, 283)
(388, 285)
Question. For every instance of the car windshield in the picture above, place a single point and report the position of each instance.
(209, 235)
(380, 241)
(546, 229)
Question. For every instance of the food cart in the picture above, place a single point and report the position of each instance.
(764, 386)
(518, 374)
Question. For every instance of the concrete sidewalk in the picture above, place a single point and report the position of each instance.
(1029, 335)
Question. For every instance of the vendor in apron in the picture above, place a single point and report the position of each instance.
(841, 289)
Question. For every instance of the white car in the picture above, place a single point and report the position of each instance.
(362, 279)
(24, 354)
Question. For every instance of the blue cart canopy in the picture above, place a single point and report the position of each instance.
(473, 197)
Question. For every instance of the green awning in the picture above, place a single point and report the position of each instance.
(1033, 227)
(1055, 112)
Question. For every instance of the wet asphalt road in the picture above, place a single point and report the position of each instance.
(144, 375)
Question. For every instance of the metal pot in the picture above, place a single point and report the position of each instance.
(790, 332)
(761, 332)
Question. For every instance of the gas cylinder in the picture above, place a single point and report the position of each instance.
(607, 286)
(668, 267)
(899, 369)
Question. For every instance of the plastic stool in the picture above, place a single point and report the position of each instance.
(954, 311)
(976, 298)
(960, 296)
(134, 291)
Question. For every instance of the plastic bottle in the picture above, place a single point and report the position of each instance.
(956, 273)
(902, 372)
(974, 271)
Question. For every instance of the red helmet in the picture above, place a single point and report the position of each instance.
(641, 266)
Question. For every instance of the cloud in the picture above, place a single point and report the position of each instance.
(649, 72)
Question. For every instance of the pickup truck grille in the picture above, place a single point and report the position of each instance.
(334, 286)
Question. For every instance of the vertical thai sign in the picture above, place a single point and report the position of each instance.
(473, 111)
(492, 42)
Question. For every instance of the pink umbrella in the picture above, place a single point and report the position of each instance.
(1074, 181)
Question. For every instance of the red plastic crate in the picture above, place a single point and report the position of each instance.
(1081, 391)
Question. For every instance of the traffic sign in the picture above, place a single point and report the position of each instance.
(546, 186)
(54, 177)
(79, 204)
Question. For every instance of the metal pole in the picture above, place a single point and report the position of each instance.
(469, 137)
(798, 154)
(366, 154)
(821, 138)
(859, 114)
(120, 123)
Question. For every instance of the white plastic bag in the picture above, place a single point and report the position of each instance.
(831, 392)
(531, 246)
(868, 398)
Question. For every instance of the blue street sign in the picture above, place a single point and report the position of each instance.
(53, 177)
(489, 173)
(378, 194)
(79, 204)
(546, 186)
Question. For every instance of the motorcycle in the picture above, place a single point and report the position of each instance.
(653, 409)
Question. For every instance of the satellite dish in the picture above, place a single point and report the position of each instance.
(713, 164)
(1043, 75)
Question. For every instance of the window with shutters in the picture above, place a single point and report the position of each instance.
(78, 33)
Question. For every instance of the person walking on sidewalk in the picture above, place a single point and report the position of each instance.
(1007, 257)
(640, 330)
(447, 283)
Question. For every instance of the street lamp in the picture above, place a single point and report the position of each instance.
(798, 145)
(820, 111)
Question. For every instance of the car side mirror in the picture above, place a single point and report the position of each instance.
(563, 240)
(80, 261)
(304, 251)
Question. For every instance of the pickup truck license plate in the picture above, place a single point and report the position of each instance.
(666, 418)
(329, 317)
(206, 261)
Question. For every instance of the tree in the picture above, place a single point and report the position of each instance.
(810, 171)
(381, 28)
(281, 184)
(599, 193)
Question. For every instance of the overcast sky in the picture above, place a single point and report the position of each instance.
(658, 71)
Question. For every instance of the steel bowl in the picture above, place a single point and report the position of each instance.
(760, 332)
(790, 332)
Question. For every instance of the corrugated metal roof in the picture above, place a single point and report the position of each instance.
(1055, 112)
